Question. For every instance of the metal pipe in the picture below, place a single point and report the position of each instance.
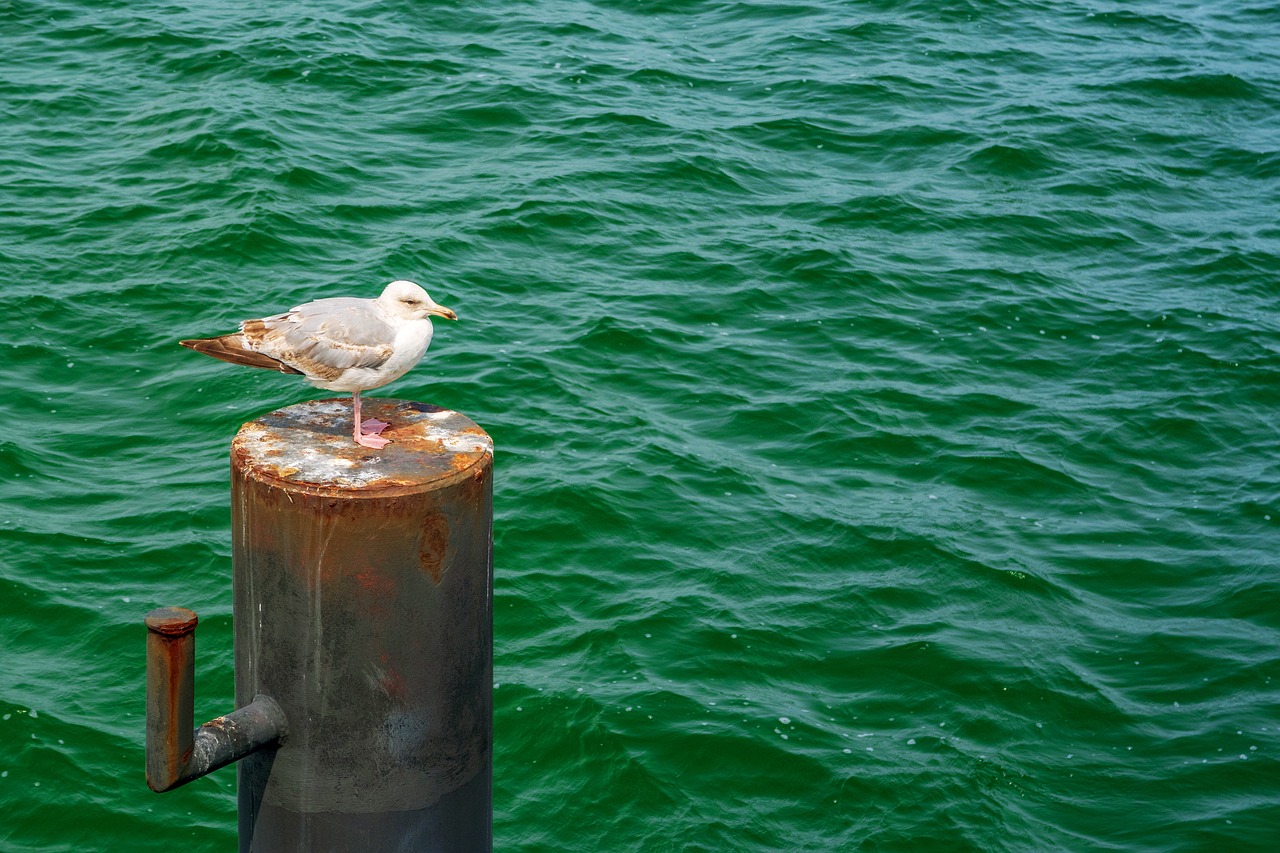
(171, 691)
(175, 753)
(363, 604)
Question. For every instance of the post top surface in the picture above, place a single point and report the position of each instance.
(309, 444)
(171, 621)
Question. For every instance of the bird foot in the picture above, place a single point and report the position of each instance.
(373, 426)
(377, 442)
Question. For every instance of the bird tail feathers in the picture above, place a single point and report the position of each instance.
(232, 348)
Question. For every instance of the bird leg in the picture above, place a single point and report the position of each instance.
(367, 434)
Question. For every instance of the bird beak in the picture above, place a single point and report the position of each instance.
(441, 311)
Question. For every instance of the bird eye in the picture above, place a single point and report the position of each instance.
(409, 300)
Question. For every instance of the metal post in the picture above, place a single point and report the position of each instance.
(171, 680)
(363, 606)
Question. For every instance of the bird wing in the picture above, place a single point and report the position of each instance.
(325, 337)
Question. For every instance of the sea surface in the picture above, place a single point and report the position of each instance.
(885, 394)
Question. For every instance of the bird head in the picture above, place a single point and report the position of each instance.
(408, 301)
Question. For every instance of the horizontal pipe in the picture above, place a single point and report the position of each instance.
(224, 740)
(176, 753)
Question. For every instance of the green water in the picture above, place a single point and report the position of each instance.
(885, 399)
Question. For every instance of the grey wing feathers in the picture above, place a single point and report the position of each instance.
(324, 337)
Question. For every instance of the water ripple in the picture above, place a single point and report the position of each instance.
(882, 394)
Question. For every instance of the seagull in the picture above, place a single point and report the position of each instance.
(340, 344)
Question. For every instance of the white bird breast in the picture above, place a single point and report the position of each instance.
(410, 344)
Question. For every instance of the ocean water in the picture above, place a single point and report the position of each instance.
(885, 397)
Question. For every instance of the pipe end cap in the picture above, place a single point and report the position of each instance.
(171, 621)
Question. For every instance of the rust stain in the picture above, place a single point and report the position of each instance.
(375, 582)
(177, 664)
(392, 683)
(433, 542)
(418, 443)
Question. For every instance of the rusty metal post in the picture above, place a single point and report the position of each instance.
(175, 753)
(171, 690)
(363, 606)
